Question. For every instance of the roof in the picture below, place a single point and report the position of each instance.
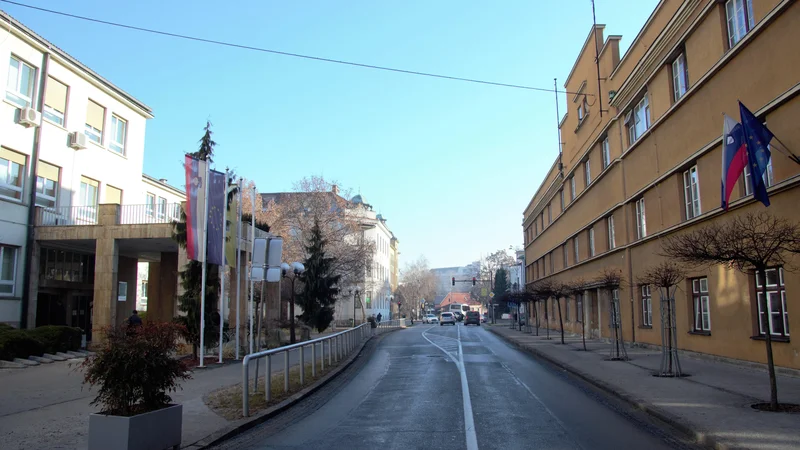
(163, 184)
(438, 299)
(463, 298)
(72, 60)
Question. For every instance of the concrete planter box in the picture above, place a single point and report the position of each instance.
(156, 430)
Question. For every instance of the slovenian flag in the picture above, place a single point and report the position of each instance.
(734, 156)
(196, 172)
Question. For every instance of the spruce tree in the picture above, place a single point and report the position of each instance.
(191, 276)
(320, 285)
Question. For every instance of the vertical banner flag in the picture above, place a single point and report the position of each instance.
(232, 232)
(195, 202)
(734, 156)
(757, 137)
(216, 213)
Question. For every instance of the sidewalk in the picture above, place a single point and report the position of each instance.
(47, 406)
(713, 403)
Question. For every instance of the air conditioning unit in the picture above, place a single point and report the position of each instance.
(77, 140)
(29, 117)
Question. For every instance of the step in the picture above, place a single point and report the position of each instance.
(64, 355)
(56, 357)
(11, 365)
(27, 362)
(40, 359)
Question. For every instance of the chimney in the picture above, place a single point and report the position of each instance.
(162, 180)
(335, 189)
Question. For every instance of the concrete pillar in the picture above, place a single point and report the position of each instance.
(163, 288)
(106, 268)
(244, 300)
(33, 295)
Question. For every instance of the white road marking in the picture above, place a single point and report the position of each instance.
(469, 420)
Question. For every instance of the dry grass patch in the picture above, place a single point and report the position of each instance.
(227, 402)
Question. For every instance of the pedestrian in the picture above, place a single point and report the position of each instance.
(379, 317)
(134, 320)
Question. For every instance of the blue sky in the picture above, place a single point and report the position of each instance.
(451, 165)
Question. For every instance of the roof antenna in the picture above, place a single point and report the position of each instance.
(597, 61)
(558, 126)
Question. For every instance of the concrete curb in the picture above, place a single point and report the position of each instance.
(40, 359)
(234, 430)
(54, 357)
(27, 362)
(687, 428)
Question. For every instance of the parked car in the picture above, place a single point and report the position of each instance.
(483, 318)
(430, 318)
(472, 318)
(447, 317)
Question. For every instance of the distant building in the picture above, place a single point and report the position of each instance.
(444, 278)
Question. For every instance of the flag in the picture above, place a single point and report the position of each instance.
(734, 156)
(757, 137)
(216, 216)
(195, 202)
(232, 232)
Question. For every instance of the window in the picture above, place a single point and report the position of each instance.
(542, 218)
(702, 314)
(566, 256)
(12, 174)
(588, 171)
(46, 184)
(572, 188)
(778, 316)
(150, 204)
(21, 79)
(591, 242)
(579, 308)
(580, 113)
(552, 263)
(612, 242)
(561, 197)
(641, 223)
(638, 120)
(8, 270)
(680, 77)
(88, 199)
(549, 214)
(767, 177)
(95, 117)
(577, 250)
(55, 101)
(113, 195)
(739, 15)
(162, 208)
(647, 306)
(606, 153)
(118, 132)
(691, 191)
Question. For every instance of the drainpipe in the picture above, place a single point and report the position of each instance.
(37, 134)
(627, 254)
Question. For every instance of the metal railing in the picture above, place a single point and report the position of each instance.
(67, 215)
(339, 346)
(149, 213)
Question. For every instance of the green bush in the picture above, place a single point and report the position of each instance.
(57, 338)
(6, 327)
(19, 344)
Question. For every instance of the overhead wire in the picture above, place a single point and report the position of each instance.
(283, 53)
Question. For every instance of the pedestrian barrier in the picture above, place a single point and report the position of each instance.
(339, 346)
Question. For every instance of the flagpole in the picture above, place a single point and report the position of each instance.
(785, 149)
(238, 261)
(204, 254)
(223, 268)
(252, 248)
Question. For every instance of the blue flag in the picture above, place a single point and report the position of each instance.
(757, 137)
(216, 215)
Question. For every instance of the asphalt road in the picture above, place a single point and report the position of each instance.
(456, 387)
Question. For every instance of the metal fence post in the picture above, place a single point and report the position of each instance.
(330, 352)
(313, 360)
(302, 366)
(245, 389)
(322, 354)
(286, 371)
(268, 379)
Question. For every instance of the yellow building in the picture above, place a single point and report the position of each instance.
(641, 159)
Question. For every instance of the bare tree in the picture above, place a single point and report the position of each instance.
(576, 288)
(749, 243)
(418, 282)
(666, 276)
(611, 279)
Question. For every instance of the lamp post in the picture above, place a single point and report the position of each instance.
(355, 291)
(391, 299)
(296, 269)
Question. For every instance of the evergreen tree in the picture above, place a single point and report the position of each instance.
(191, 276)
(500, 282)
(319, 283)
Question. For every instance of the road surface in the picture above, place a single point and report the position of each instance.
(455, 387)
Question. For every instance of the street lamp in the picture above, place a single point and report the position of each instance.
(296, 269)
(355, 291)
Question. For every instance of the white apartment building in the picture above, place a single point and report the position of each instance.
(86, 134)
(377, 289)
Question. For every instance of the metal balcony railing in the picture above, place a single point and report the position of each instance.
(149, 213)
(67, 215)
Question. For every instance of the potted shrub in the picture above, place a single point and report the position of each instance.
(134, 370)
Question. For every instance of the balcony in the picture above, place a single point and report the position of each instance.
(109, 214)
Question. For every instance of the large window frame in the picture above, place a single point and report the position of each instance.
(776, 304)
(12, 175)
(641, 219)
(638, 119)
(691, 192)
(647, 306)
(739, 20)
(591, 242)
(606, 151)
(680, 77)
(8, 270)
(577, 249)
(21, 82)
(587, 170)
(161, 208)
(119, 134)
(612, 239)
(88, 199)
(93, 133)
(572, 193)
(47, 184)
(55, 101)
(768, 177)
(701, 305)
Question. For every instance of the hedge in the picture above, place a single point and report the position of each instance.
(16, 343)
